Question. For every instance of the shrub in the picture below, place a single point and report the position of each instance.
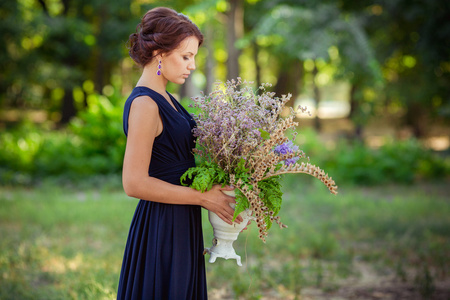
(92, 144)
(99, 129)
(397, 161)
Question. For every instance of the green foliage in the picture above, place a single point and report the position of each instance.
(19, 151)
(101, 133)
(30, 154)
(93, 144)
(49, 45)
(397, 161)
(241, 203)
(271, 195)
(264, 134)
(207, 174)
(203, 177)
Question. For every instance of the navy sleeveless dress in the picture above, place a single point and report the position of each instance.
(163, 256)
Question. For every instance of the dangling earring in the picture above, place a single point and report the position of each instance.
(159, 69)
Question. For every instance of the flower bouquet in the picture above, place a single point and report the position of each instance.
(241, 141)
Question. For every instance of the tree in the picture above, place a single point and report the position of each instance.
(84, 41)
(300, 33)
(17, 41)
(56, 46)
(412, 43)
(234, 31)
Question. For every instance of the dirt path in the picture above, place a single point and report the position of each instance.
(368, 285)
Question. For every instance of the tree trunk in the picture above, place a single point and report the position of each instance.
(257, 66)
(209, 72)
(68, 110)
(415, 119)
(283, 85)
(99, 73)
(235, 30)
(316, 90)
(297, 74)
(289, 80)
(301, 78)
(354, 107)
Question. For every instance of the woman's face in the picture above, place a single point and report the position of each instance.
(178, 64)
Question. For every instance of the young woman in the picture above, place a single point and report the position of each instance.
(163, 257)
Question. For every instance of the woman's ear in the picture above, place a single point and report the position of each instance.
(157, 55)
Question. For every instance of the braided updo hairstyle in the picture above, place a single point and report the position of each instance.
(161, 31)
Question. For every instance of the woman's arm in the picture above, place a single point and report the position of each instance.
(144, 125)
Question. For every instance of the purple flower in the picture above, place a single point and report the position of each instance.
(229, 122)
(286, 148)
(291, 161)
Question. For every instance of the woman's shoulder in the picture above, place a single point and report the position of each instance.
(144, 115)
(140, 108)
(144, 103)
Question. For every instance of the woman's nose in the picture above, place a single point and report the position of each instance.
(191, 66)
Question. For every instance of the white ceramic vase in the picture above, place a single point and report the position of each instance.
(225, 234)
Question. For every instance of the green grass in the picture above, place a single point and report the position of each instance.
(59, 243)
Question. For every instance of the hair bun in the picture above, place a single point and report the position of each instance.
(161, 30)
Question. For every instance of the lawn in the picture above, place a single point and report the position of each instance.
(384, 242)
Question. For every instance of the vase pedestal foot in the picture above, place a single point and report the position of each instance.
(222, 252)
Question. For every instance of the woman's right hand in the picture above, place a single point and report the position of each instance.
(219, 203)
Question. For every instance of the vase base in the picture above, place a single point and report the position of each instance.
(215, 255)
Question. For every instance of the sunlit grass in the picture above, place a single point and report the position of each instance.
(68, 243)
(401, 232)
(60, 244)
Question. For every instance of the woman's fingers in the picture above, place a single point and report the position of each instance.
(229, 218)
(226, 188)
(226, 218)
(230, 199)
(225, 212)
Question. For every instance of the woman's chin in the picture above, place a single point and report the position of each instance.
(179, 80)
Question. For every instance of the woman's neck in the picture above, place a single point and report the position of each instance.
(150, 79)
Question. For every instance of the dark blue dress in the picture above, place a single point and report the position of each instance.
(163, 257)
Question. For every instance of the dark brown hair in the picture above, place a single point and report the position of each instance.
(162, 30)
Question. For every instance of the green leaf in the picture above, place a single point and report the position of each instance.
(241, 204)
(271, 194)
(204, 177)
(264, 134)
(240, 169)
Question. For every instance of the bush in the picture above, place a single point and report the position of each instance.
(92, 144)
(396, 161)
(102, 141)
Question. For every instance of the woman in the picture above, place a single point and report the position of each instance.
(163, 257)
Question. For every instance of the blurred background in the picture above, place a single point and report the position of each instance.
(375, 76)
(375, 72)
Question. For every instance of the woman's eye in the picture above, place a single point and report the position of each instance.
(186, 58)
